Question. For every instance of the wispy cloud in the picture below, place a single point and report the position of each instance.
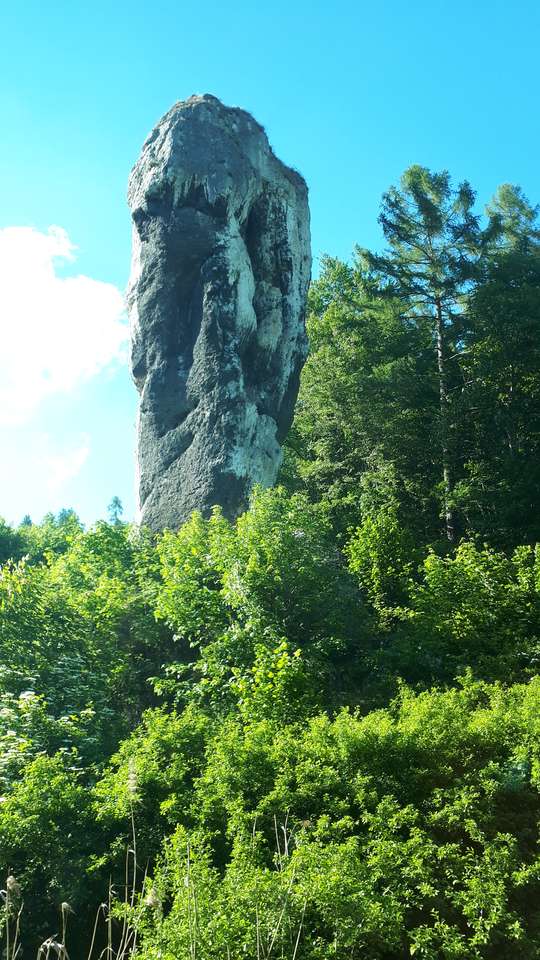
(41, 472)
(58, 468)
(55, 332)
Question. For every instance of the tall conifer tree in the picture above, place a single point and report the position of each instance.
(434, 245)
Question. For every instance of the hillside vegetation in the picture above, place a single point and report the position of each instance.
(313, 733)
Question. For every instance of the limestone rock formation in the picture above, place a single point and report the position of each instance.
(220, 271)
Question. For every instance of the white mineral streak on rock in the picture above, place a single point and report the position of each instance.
(220, 270)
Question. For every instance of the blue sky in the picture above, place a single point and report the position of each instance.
(351, 93)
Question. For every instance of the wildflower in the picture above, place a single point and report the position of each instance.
(152, 899)
(13, 887)
(132, 780)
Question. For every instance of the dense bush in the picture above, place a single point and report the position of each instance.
(411, 830)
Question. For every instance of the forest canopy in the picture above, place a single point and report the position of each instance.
(313, 732)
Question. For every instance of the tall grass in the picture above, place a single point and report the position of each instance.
(118, 920)
(116, 923)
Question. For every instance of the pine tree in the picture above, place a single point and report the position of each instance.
(434, 247)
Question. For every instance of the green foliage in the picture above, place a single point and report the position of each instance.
(500, 403)
(11, 543)
(153, 772)
(434, 248)
(46, 828)
(289, 825)
(278, 686)
(45, 643)
(313, 732)
(434, 241)
(407, 831)
(422, 386)
(382, 555)
(478, 609)
(115, 510)
(55, 646)
(52, 536)
(111, 571)
(237, 594)
(28, 729)
(78, 642)
(516, 218)
(367, 414)
(474, 609)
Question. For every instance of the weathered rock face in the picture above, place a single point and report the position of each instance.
(220, 271)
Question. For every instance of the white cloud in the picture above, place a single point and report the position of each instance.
(58, 468)
(55, 332)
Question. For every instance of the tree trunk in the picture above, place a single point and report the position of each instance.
(443, 401)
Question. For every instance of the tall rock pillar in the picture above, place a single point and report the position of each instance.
(220, 271)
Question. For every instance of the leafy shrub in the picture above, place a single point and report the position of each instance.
(405, 832)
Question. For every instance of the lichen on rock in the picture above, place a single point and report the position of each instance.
(220, 271)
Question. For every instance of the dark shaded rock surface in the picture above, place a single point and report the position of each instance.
(220, 271)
